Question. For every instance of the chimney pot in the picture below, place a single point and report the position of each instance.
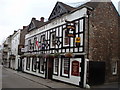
(33, 18)
(42, 19)
(24, 27)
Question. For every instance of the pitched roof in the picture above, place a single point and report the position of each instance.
(67, 7)
(91, 4)
(35, 24)
(60, 9)
(38, 23)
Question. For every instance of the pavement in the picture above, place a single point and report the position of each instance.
(56, 84)
(45, 82)
(0, 77)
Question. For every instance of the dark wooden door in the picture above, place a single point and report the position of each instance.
(19, 64)
(96, 73)
(49, 68)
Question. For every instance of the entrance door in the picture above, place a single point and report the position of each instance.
(49, 68)
(96, 73)
(20, 64)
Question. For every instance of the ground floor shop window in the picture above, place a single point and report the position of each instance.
(56, 66)
(65, 67)
(28, 63)
(34, 63)
(41, 65)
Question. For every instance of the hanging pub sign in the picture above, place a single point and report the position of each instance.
(75, 68)
(70, 28)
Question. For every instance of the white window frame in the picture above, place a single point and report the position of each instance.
(114, 68)
(56, 66)
(41, 62)
(42, 41)
(63, 60)
(28, 63)
(33, 66)
(52, 46)
(35, 39)
(64, 38)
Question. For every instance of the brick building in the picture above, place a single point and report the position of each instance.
(103, 37)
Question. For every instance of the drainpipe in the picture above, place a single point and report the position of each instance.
(88, 34)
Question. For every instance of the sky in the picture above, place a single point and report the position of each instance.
(14, 14)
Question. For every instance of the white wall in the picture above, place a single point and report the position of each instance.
(57, 22)
(34, 73)
(72, 79)
(14, 46)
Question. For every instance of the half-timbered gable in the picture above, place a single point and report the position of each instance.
(60, 9)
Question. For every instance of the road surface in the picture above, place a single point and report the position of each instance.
(12, 80)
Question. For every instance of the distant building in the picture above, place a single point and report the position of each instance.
(0, 56)
(12, 46)
(6, 51)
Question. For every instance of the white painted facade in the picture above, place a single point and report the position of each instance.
(76, 15)
(14, 49)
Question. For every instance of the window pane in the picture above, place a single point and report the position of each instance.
(34, 64)
(42, 67)
(66, 38)
(53, 38)
(65, 66)
(28, 63)
(56, 65)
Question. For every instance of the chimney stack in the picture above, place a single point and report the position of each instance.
(42, 19)
(33, 18)
(24, 27)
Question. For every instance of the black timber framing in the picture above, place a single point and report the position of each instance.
(61, 46)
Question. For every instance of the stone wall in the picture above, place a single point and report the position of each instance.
(103, 37)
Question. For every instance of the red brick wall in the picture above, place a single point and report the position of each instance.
(103, 36)
(119, 48)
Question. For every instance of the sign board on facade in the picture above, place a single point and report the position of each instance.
(71, 27)
(77, 39)
(75, 68)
